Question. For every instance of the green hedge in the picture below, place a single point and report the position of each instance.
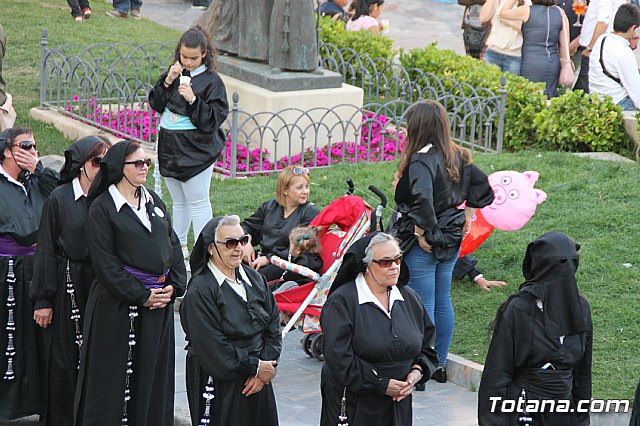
(572, 121)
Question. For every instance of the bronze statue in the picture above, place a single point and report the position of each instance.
(292, 40)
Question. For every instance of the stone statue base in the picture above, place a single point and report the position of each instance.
(276, 80)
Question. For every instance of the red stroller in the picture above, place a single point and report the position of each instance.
(342, 222)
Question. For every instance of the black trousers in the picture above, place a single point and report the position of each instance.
(77, 6)
(582, 83)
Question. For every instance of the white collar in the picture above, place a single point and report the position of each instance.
(12, 180)
(366, 296)
(198, 71)
(619, 38)
(220, 277)
(77, 189)
(425, 149)
(119, 200)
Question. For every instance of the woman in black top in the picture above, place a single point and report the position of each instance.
(542, 342)
(436, 176)
(127, 361)
(193, 102)
(63, 275)
(271, 224)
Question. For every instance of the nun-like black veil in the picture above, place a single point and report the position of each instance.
(75, 156)
(200, 254)
(549, 268)
(111, 170)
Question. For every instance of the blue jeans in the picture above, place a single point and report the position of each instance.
(126, 5)
(627, 104)
(431, 279)
(506, 63)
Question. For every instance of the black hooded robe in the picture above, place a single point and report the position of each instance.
(226, 338)
(19, 218)
(117, 238)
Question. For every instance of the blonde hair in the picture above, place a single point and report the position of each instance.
(284, 181)
(304, 239)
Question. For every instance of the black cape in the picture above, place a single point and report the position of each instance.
(270, 229)
(182, 154)
(226, 338)
(19, 218)
(118, 238)
(525, 339)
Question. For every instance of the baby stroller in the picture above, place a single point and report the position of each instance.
(341, 223)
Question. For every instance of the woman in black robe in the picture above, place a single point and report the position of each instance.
(24, 186)
(272, 223)
(232, 325)
(377, 339)
(63, 275)
(542, 341)
(127, 359)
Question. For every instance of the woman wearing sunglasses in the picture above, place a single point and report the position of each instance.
(377, 338)
(436, 176)
(272, 223)
(24, 186)
(127, 363)
(231, 322)
(63, 275)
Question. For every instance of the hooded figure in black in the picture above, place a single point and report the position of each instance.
(542, 341)
(23, 191)
(62, 277)
(231, 322)
(375, 349)
(127, 360)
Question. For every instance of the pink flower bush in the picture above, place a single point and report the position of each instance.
(376, 141)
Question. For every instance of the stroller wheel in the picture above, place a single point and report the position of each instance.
(306, 343)
(316, 347)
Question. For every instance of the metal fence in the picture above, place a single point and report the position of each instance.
(107, 86)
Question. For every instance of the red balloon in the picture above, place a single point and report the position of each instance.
(480, 231)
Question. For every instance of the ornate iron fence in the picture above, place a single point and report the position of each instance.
(107, 86)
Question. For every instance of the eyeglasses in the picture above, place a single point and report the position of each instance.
(140, 163)
(26, 145)
(95, 161)
(386, 263)
(232, 243)
(300, 171)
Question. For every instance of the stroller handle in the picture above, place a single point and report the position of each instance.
(380, 194)
(350, 185)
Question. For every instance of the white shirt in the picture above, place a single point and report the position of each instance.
(238, 287)
(366, 296)
(77, 189)
(12, 180)
(620, 61)
(119, 201)
(598, 11)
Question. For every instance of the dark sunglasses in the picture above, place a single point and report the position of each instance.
(140, 163)
(386, 263)
(26, 145)
(95, 161)
(300, 171)
(232, 243)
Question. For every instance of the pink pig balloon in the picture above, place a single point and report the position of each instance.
(516, 199)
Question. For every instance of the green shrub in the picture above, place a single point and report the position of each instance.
(376, 46)
(581, 122)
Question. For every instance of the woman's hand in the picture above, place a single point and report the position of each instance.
(424, 245)
(186, 92)
(485, 284)
(174, 72)
(252, 385)
(266, 371)
(248, 253)
(27, 160)
(43, 316)
(159, 298)
(396, 389)
(260, 262)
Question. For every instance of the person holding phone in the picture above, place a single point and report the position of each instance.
(193, 102)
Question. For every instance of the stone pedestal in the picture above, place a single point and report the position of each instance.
(289, 122)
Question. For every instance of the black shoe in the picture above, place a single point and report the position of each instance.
(420, 387)
(440, 375)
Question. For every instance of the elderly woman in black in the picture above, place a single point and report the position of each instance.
(542, 341)
(127, 360)
(232, 325)
(272, 223)
(63, 275)
(377, 339)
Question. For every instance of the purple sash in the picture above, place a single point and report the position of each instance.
(146, 279)
(10, 247)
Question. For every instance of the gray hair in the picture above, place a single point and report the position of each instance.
(231, 220)
(379, 238)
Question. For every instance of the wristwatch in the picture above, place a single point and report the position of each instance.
(192, 100)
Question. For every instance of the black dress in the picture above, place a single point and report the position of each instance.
(364, 348)
(226, 338)
(270, 229)
(117, 239)
(19, 219)
(61, 245)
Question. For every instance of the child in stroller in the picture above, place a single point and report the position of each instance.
(304, 250)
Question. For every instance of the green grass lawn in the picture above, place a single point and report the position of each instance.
(595, 202)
